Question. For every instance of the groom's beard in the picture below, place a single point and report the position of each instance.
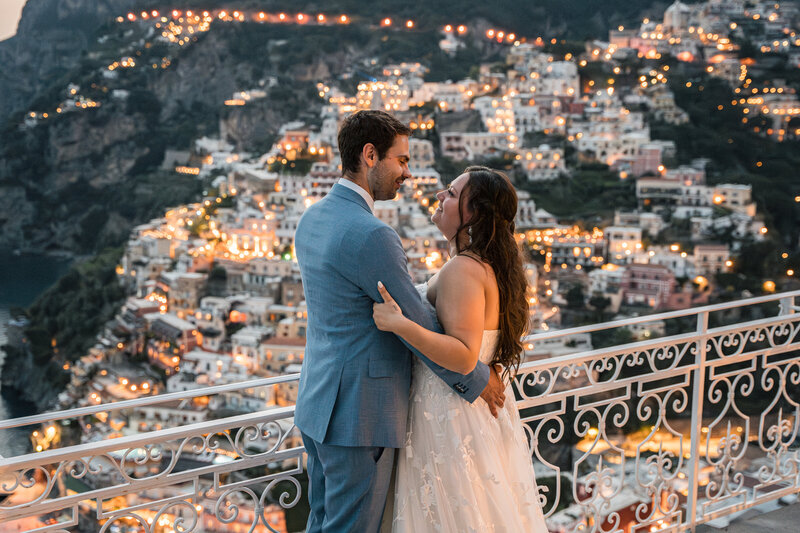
(383, 186)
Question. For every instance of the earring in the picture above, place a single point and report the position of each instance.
(469, 234)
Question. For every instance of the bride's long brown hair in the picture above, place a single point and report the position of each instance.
(492, 200)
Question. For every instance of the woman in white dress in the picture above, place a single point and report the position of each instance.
(462, 469)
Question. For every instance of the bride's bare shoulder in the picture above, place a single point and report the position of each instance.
(462, 268)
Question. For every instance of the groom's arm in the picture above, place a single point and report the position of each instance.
(382, 258)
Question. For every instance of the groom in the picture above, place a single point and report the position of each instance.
(354, 388)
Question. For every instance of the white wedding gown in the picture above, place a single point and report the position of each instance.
(461, 469)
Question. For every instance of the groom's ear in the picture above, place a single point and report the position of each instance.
(369, 154)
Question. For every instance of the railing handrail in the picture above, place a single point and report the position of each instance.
(144, 401)
(140, 439)
(647, 344)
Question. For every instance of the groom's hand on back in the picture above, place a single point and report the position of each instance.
(494, 393)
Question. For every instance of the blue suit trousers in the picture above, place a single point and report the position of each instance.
(347, 486)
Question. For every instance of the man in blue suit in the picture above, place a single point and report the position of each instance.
(352, 403)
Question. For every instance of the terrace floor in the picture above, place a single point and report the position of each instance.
(783, 520)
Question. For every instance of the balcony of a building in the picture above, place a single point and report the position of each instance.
(696, 430)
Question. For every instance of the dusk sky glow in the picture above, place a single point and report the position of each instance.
(10, 11)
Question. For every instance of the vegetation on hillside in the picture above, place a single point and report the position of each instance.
(591, 193)
(64, 321)
(738, 154)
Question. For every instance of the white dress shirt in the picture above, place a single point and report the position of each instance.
(364, 194)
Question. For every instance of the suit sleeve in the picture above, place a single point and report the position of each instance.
(382, 258)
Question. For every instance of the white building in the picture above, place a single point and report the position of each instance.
(470, 145)
(558, 346)
(735, 197)
(388, 211)
(623, 241)
(387, 95)
(606, 280)
(738, 224)
(542, 163)
(680, 263)
(245, 346)
(652, 223)
(712, 259)
(421, 153)
(278, 353)
(611, 132)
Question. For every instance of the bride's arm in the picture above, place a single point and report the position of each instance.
(460, 306)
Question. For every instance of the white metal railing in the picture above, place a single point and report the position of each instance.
(662, 434)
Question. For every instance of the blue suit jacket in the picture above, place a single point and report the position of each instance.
(355, 382)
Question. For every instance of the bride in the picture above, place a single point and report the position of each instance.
(462, 469)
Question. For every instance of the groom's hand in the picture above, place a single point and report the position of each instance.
(494, 393)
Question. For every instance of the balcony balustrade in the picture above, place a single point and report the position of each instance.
(659, 434)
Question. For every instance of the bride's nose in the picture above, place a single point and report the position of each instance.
(440, 195)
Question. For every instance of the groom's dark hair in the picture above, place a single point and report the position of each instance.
(362, 127)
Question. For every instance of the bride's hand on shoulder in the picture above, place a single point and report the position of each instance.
(387, 315)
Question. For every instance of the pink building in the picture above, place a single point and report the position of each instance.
(646, 161)
(649, 285)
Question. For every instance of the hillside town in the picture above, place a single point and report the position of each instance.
(215, 295)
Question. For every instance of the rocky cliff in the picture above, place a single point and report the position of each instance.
(51, 38)
(77, 181)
